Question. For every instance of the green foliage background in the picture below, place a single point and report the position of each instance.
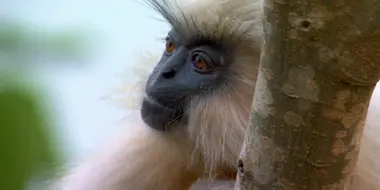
(28, 150)
(25, 137)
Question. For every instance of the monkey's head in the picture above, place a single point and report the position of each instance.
(204, 81)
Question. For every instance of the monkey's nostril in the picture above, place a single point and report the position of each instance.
(169, 74)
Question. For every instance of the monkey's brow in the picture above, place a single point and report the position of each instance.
(170, 36)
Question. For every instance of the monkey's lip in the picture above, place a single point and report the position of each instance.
(154, 102)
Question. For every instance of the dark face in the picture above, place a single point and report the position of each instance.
(186, 69)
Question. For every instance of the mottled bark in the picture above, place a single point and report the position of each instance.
(214, 185)
(320, 63)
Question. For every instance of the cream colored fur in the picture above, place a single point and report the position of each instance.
(145, 159)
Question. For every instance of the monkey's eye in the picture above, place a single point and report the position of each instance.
(200, 63)
(169, 46)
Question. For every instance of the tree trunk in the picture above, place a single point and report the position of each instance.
(320, 64)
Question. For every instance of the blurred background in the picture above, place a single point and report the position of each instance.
(61, 63)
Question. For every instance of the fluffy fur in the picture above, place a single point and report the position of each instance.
(145, 159)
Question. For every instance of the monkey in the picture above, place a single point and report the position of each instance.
(195, 106)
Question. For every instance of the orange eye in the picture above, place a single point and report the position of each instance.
(200, 64)
(169, 46)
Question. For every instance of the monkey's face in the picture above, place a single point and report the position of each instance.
(187, 68)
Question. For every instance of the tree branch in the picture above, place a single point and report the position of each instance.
(320, 64)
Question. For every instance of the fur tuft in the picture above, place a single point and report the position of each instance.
(218, 120)
(229, 21)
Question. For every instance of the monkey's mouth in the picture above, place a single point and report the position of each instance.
(154, 102)
(158, 116)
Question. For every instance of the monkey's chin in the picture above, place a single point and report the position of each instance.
(158, 116)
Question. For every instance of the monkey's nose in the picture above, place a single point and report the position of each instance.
(168, 74)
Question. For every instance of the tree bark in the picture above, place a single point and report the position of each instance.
(214, 185)
(319, 66)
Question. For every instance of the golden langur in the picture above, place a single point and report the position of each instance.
(195, 106)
